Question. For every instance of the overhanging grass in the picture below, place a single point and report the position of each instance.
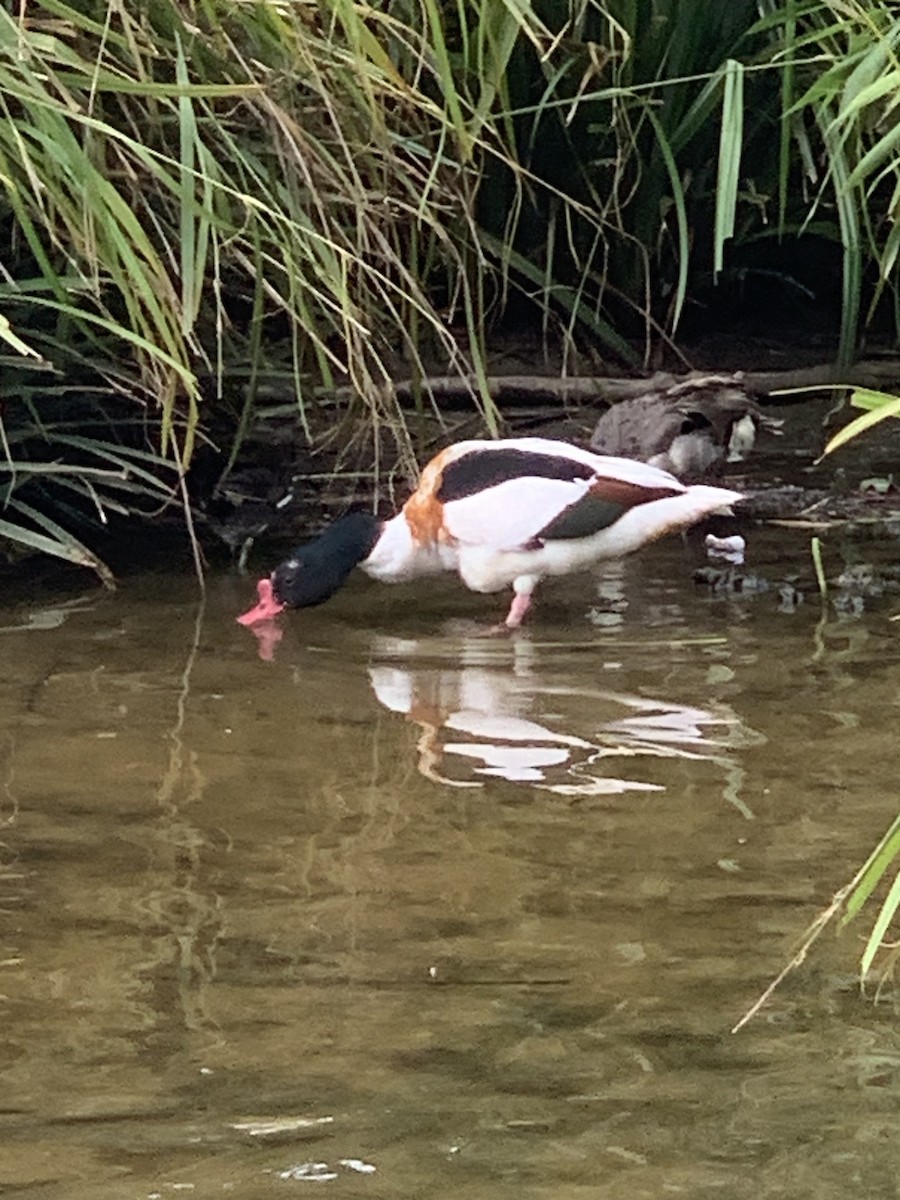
(370, 186)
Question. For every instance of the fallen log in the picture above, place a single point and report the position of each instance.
(766, 386)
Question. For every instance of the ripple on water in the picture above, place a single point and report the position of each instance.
(414, 911)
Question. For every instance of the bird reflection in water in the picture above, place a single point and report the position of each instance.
(489, 718)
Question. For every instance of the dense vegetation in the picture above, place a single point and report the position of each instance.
(199, 197)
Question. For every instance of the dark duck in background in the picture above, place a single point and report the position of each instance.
(692, 428)
(499, 514)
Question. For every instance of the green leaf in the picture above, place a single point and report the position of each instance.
(882, 923)
(888, 406)
(729, 168)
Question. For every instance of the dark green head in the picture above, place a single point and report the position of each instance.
(314, 572)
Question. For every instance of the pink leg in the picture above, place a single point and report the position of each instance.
(517, 610)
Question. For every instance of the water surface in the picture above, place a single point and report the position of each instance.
(414, 911)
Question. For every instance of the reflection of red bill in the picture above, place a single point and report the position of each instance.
(266, 607)
(268, 634)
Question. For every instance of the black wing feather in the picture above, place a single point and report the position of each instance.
(481, 469)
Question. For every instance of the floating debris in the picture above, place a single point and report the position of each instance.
(275, 1126)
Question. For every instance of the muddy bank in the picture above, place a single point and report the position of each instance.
(271, 496)
(282, 489)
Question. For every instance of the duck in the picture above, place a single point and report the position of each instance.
(500, 514)
(692, 428)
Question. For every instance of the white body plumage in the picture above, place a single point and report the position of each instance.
(492, 536)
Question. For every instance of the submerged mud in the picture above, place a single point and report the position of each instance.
(414, 909)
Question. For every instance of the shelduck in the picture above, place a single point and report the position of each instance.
(500, 514)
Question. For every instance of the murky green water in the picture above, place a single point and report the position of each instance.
(414, 912)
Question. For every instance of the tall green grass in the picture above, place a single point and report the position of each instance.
(193, 196)
(182, 188)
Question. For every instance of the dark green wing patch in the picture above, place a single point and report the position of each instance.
(599, 508)
(588, 515)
